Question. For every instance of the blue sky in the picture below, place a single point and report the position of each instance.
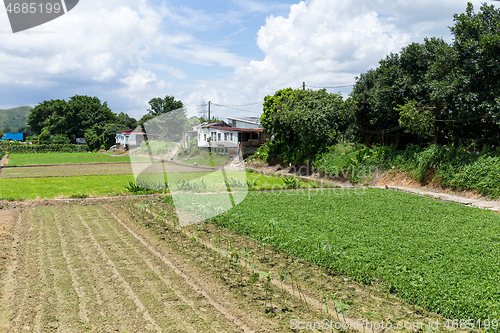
(231, 52)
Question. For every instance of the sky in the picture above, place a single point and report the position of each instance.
(230, 52)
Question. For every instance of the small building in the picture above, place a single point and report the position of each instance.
(229, 139)
(129, 138)
(14, 137)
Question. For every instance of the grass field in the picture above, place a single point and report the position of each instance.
(63, 187)
(442, 256)
(63, 158)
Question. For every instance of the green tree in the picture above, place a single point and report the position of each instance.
(166, 119)
(418, 78)
(127, 121)
(70, 118)
(477, 84)
(159, 106)
(302, 123)
(39, 117)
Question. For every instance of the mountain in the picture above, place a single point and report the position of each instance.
(14, 118)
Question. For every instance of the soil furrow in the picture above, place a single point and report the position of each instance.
(198, 307)
(82, 313)
(127, 289)
(163, 305)
(111, 310)
(219, 307)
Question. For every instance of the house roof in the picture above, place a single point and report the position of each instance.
(252, 120)
(217, 123)
(237, 129)
(128, 132)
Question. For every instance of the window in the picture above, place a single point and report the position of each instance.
(231, 137)
(218, 137)
(204, 137)
(213, 136)
(225, 136)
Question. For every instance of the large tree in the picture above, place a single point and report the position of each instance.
(408, 89)
(477, 86)
(70, 118)
(302, 122)
(166, 119)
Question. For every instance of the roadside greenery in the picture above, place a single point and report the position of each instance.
(155, 148)
(443, 257)
(454, 167)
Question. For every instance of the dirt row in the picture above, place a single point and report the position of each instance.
(78, 270)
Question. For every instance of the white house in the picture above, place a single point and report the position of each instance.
(231, 139)
(129, 138)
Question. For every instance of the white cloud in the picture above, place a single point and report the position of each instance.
(104, 47)
(329, 42)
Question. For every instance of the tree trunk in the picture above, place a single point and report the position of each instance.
(437, 130)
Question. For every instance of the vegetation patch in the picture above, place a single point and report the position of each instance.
(442, 257)
(63, 187)
(64, 158)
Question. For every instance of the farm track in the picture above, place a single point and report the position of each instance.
(81, 268)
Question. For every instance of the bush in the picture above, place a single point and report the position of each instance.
(455, 167)
(19, 148)
(155, 147)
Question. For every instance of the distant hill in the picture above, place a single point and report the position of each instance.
(14, 118)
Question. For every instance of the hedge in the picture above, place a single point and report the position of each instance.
(19, 148)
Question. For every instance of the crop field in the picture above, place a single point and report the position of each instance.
(443, 257)
(63, 187)
(81, 269)
(124, 265)
(63, 158)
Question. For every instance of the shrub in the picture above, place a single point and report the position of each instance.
(454, 167)
(19, 148)
(155, 147)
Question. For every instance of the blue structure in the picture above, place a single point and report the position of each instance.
(14, 137)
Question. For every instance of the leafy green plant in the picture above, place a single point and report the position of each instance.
(291, 182)
(377, 238)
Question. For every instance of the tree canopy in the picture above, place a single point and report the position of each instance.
(60, 121)
(166, 119)
(302, 122)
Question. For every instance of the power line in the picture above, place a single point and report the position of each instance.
(236, 106)
(349, 85)
(229, 107)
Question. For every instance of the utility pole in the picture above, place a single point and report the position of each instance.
(209, 111)
(303, 86)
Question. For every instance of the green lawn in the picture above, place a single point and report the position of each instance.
(63, 187)
(62, 158)
(444, 255)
